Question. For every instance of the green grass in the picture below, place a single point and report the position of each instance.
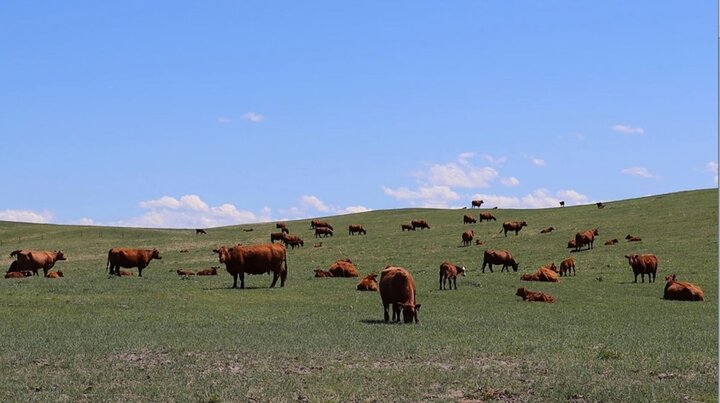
(88, 337)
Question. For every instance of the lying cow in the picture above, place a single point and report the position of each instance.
(208, 272)
(322, 273)
(185, 273)
(343, 268)
(449, 273)
(256, 259)
(368, 283)
(128, 258)
(631, 238)
(682, 291)
(547, 230)
(397, 288)
(535, 296)
(541, 274)
(611, 242)
(55, 274)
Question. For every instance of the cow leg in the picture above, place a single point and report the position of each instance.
(235, 277)
(385, 311)
(396, 312)
(283, 276)
(275, 278)
(242, 280)
(454, 280)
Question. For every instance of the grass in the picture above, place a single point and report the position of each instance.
(88, 337)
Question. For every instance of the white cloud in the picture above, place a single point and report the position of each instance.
(510, 181)
(495, 161)
(628, 129)
(467, 176)
(163, 202)
(464, 157)
(26, 216)
(314, 202)
(638, 171)
(425, 196)
(353, 209)
(540, 198)
(538, 161)
(712, 167)
(190, 211)
(253, 117)
(223, 120)
(571, 197)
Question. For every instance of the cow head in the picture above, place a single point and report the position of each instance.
(223, 254)
(631, 259)
(572, 243)
(595, 232)
(156, 254)
(410, 312)
(521, 292)
(462, 270)
(552, 267)
(523, 224)
(59, 255)
(514, 264)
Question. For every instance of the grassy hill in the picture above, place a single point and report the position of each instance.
(91, 337)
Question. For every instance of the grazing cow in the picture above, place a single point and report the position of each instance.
(513, 226)
(467, 237)
(32, 260)
(322, 273)
(126, 273)
(18, 274)
(200, 231)
(502, 257)
(284, 230)
(277, 236)
(541, 274)
(600, 205)
(419, 224)
(280, 225)
(368, 283)
(534, 296)
(408, 227)
(255, 259)
(343, 268)
(562, 203)
(208, 272)
(567, 265)
(55, 274)
(293, 241)
(547, 230)
(476, 203)
(682, 291)
(585, 238)
(449, 273)
(323, 231)
(356, 229)
(469, 219)
(397, 287)
(320, 224)
(642, 265)
(127, 258)
(487, 217)
(611, 242)
(185, 273)
(631, 238)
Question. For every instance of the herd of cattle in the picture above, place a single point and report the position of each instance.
(396, 284)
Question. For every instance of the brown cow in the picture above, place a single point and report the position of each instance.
(323, 231)
(585, 238)
(32, 260)
(293, 241)
(284, 230)
(55, 274)
(18, 274)
(343, 268)
(322, 273)
(408, 227)
(611, 242)
(631, 238)
(479, 242)
(280, 225)
(397, 287)
(320, 224)
(513, 226)
(534, 296)
(682, 291)
(541, 274)
(567, 265)
(487, 217)
(184, 250)
(547, 230)
(419, 224)
(469, 219)
(476, 203)
(255, 259)
(368, 283)
(127, 258)
(502, 257)
(277, 236)
(317, 245)
(467, 237)
(208, 272)
(356, 228)
(449, 273)
(571, 244)
(185, 273)
(600, 205)
(642, 265)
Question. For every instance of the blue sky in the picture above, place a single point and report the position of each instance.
(199, 114)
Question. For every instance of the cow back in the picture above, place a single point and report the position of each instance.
(397, 286)
(256, 259)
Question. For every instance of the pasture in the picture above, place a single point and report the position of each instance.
(91, 337)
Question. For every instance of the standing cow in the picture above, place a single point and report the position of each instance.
(32, 260)
(585, 238)
(128, 258)
(476, 203)
(397, 287)
(487, 217)
(356, 229)
(642, 265)
(503, 257)
(449, 273)
(513, 226)
(467, 237)
(323, 231)
(469, 219)
(419, 224)
(255, 259)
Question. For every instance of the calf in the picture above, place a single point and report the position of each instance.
(397, 288)
(535, 296)
(185, 273)
(368, 283)
(126, 273)
(293, 241)
(642, 265)
(322, 273)
(449, 273)
(631, 238)
(682, 291)
(408, 227)
(611, 242)
(600, 205)
(18, 274)
(567, 265)
(547, 230)
(55, 274)
(208, 272)
(467, 237)
(200, 231)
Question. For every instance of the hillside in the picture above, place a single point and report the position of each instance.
(162, 338)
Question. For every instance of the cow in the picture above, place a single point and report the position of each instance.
(55, 274)
(320, 224)
(280, 225)
(600, 205)
(631, 238)
(323, 231)
(184, 251)
(254, 259)
(419, 224)
(343, 268)
(32, 260)
(469, 219)
(127, 258)
(611, 242)
(408, 227)
(368, 283)
(208, 272)
(449, 273)
(185, 273)
(126, 273)
(541, 274)
(200, 231)
(562, 203)
(513, 226)
(682, 291)
(503, 257)
(248, 229)
(322, 273)
(356, 229)
(476, 203)
(585, 238)
(18, 274)
(534, 296)
(397, 288)
(277, 236)
(642, 265)
(567, 265)
(479, 242)
(547, 230)
(318, 245)
(293, 241)
(467, 237)
(487, 217)
(284, 230)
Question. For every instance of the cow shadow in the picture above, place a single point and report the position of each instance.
(230, 288)
(377, 322)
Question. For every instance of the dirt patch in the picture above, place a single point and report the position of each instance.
(144, 359)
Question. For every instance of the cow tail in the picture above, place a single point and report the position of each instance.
(107, 269)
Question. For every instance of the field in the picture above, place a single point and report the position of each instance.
(91, 337)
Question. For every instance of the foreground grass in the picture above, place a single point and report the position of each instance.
(88, 337)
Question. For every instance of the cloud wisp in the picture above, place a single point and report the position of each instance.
(253, 117)
(41, 217)
(625, 129)
(639, 172)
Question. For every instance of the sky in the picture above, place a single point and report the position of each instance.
(186, 114)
